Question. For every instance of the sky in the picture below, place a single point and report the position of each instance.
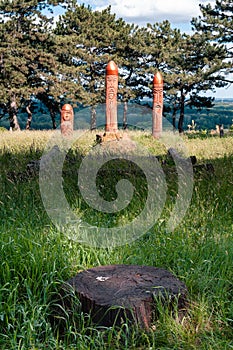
(178, 12)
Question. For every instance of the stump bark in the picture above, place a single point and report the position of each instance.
(118, 293)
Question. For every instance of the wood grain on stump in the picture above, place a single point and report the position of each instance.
(116, 293)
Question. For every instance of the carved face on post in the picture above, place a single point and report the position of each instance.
(157, 105)
(158, 96)
(111, 97)
(67, 120)
(67, 113)
(112, 86)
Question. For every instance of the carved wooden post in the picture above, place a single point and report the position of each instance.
(157, 105)
(67, 120)
(111, 97)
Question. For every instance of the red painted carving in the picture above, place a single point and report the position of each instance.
(67, 120)
(111, 97)
(157, 105)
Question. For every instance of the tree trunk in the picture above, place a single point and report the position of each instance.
(1, 63)
(93, 118)
(28, 125)
(53, 115)
(181, 119)
(119, 293)
(125, 115)
(174, 119)
(14, 125)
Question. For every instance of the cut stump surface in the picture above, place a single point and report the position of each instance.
(116, 293)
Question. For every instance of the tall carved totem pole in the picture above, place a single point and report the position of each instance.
(157, 105)
(111, 126)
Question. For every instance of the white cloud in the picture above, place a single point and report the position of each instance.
(155, 11)
(144, 11)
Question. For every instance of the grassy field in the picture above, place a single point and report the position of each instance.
(36, 258)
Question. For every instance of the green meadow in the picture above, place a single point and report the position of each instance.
(36, 258)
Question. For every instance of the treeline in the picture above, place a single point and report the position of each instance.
(47, 64)
(138, 117)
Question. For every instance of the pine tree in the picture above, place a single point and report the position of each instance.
(86, 41)
(27, 66)
(216, 22)
(84, 47)
(194, 66)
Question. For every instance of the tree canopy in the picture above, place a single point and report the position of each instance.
(28, 66)
(66, 60)
(216, 22)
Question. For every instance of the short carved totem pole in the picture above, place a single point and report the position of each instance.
(157, 105)
(111, 126)
(67, 120)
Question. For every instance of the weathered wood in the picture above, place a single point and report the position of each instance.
(174, 154)
(197, 168)
(111, 97)
(116, 293)
(157, 111)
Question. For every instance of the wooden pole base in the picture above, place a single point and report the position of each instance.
(109, 136)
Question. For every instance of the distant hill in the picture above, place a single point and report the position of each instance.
(138, 116)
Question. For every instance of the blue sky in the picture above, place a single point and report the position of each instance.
(178, 12)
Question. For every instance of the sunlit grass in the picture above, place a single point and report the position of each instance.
(36, 258)
(211, 147)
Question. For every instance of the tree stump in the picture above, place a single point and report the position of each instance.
(118, 293)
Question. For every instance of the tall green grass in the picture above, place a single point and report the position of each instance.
(36, 258)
